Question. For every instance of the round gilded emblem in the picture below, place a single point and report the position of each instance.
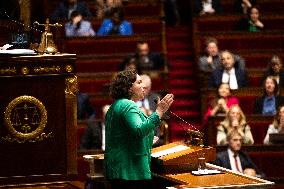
(25, 117)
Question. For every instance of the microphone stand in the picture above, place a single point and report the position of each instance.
(195, 136)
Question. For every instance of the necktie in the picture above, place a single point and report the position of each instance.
(236, 163)
(229, 79)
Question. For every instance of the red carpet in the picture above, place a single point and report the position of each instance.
(182, 81)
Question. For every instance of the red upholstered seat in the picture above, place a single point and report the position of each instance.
(270, 163)
(109, 44)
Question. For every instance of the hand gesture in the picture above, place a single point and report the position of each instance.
(259, 24)
(235, 123)
(209, 59)
(222, 104)
(164, 104)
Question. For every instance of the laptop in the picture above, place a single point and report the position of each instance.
(276, 138)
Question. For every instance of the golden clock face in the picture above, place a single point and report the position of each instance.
(25, 117)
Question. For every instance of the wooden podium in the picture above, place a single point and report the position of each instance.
(173, 165)
(38, 115)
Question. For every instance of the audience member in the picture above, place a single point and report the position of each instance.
(222, 102)
(148, 106)
(252, 23)
(116, 24)
(229, 72)
(275, 70)
(147, 60)
(277, 125)
(94, 136)
(85, 109)
(212, 59)
(66, 7)
(204, 7)
(77, 27)
(234, 120)
(270, 101)
(104, 7)
(242, 6)
(234, 158)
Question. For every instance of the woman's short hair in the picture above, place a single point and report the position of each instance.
(122, 82)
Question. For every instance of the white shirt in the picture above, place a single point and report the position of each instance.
(144, 103)
(232, 161)
(230, 77)
(103, 136)
(207, 5)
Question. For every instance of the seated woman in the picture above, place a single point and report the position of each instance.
(275, 70)
(235, 119)
(222, 102)
(78, 27)
(252, 23)
(116, 24)
(277, 125)
(270, 101)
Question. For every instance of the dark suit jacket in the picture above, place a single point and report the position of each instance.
(62, 11)
(223, 160)
(258, 104)
(92, 138)
(157, 62)
(216, 78)
(84, 108)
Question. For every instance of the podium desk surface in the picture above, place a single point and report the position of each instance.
(227, 179)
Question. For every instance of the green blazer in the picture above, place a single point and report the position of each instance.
(129, 138)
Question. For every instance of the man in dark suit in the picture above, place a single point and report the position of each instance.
(228, 73)
(145, 59)
(234, 158)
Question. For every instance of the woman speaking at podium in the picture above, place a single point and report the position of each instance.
(129, 133)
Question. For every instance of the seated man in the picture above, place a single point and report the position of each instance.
(211, 60)
(228, 73)
(235, 159)
(146, 60)
(78, 27)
